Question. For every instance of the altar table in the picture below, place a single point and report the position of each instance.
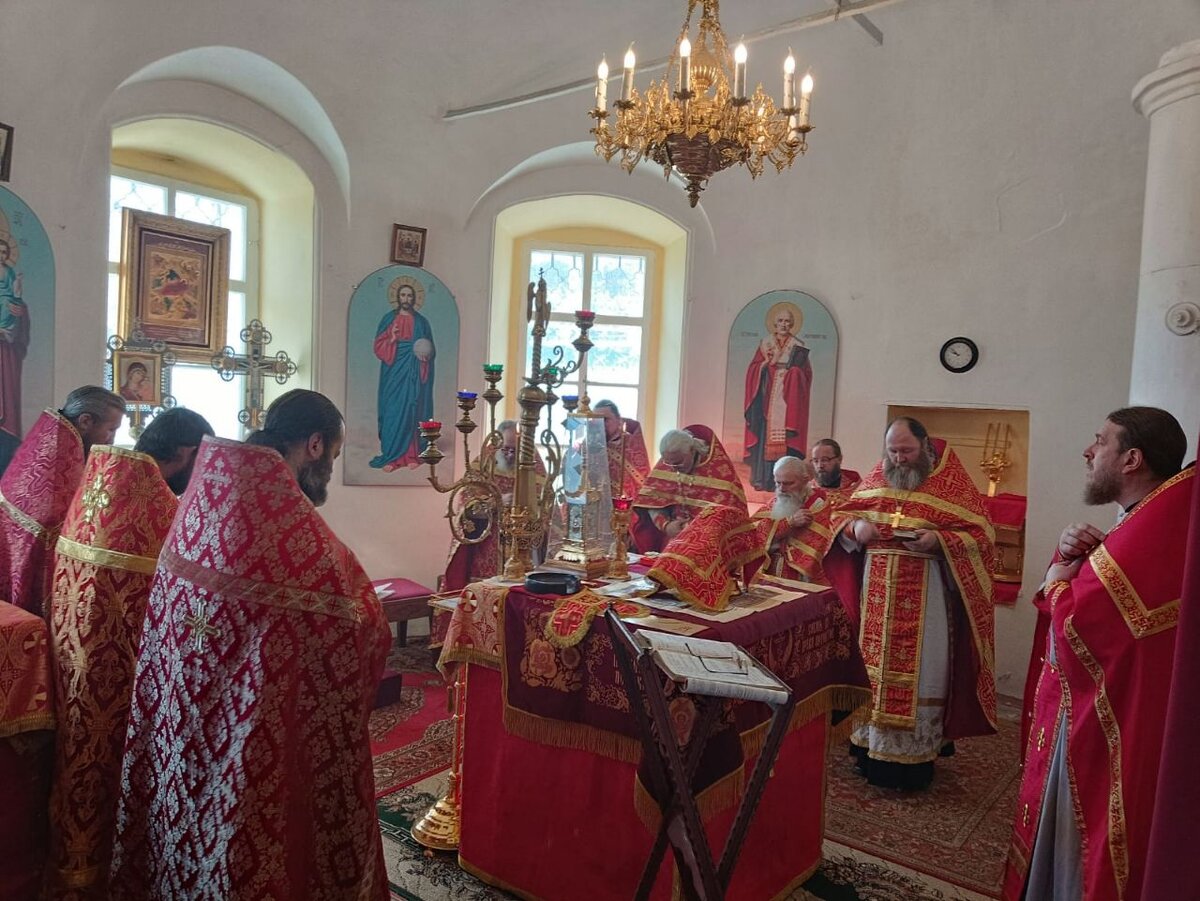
(26, 751)
(551, 803)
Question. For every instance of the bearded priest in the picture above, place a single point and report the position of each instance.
(628, 462)
(795, 530)
(1112, 600)
(247, 769)
(106, 557)
(38, 486)
(917, 528)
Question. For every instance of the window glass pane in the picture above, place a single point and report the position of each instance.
(618, 284)
(559, 332)
(137, 195)
(236, 321)
(627, 399)
(200, 388)
(563, 271)
(114, 289)
(617, 356)
(223, 213)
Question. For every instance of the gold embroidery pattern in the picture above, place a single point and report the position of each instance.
(1118, 848)
(1140, 620)
(68, 547)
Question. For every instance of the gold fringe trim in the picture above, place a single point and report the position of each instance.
(819, 703)
(577, 736)
(721, 795)
(29, 722)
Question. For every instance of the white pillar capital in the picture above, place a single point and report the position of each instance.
(1176, 78)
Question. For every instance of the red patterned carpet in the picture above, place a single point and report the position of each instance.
(957, 831)
(412, 738)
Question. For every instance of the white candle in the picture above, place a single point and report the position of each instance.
(602, 84)
(739, 71)
(789, 81)
(806, 86)
(627, 84)
(685, 65)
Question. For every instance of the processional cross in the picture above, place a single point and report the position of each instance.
(255, 365)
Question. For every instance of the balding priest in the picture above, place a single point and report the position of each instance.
(38, 486)
(917, 528)
(693, 473)
(106, 557)
(247, 770)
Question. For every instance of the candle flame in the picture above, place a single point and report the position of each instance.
(789, 64)
(630, 59)
(739, 53)
(602, 69)
(685, 48)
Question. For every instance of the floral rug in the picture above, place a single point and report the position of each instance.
(412, 738)
(957, 831)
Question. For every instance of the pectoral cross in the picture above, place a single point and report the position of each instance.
(95, 498)
(896, 514)
(200, 626)
(255, 365)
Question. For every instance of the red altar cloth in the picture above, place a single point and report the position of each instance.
(547, 816)
(1005, 510)
(26, 752)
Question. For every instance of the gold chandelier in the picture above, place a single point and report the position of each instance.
(707, 123)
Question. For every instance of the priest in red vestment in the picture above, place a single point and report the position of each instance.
(247, 769)
(471, 562)
(778, 385)
(838, 483)
(927, 625)
(1087, 795)
(38, 486)
(795, 530)
(106, 556)
(693, 473)
(628, 461)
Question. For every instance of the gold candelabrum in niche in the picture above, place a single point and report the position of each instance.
(995, 454)
(523, 522)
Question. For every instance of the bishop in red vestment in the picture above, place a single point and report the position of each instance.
(1087, 795)
(247, 771)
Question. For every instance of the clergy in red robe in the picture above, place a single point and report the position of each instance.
(838, 483)
(926, 627)
(1087, 796)
(628, 461)
(247, 768)
(38, 486)
(778, 384)
(693, 473)
(795, 530)
(481, 556)
(106, 557)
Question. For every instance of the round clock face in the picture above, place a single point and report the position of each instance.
(959, 354)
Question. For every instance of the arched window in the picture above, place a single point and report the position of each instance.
(194, 385)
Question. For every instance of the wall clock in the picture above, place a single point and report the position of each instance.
(959, 354)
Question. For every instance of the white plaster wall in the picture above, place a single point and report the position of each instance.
(982, 173)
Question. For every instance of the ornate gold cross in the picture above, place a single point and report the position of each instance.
(200, 626)
(95, 498)
(896, 514)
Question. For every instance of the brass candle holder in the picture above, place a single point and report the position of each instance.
(622, 513)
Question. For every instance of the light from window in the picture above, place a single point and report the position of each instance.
(194, 385)
(613, 285)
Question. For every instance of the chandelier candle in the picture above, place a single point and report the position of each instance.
(602, 84)
(739, 72)
(789, 82)
(685, 68)
(627, 82)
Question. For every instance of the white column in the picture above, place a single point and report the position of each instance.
(1166, 348)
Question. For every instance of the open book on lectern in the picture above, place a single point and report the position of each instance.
(717, 668)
